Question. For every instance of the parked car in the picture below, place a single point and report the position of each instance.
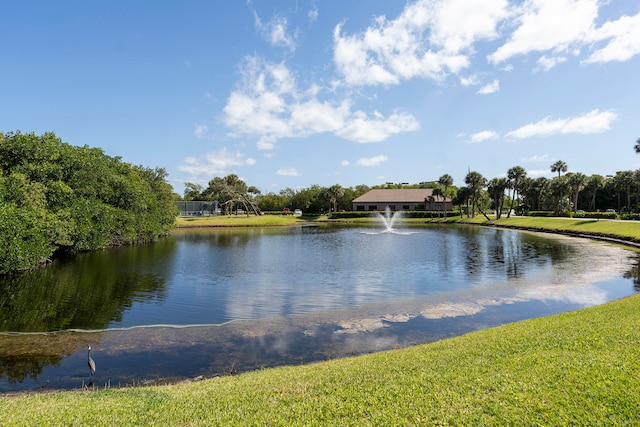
(297, 212)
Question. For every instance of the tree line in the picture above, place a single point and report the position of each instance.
(566, 193)
(55, 197)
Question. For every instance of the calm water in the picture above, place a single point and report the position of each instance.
(215, 301)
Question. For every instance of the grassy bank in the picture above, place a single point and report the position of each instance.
(236, 221)
(629, 230)
(578, 368)
(622, 229)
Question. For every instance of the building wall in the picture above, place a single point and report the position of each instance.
(401, 206)
(380, 206)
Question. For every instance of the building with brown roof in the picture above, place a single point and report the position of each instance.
(404, 199)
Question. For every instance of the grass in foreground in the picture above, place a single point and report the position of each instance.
(578, 368)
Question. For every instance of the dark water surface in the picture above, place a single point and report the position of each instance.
(215, 301)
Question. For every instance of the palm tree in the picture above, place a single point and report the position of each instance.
(476, 183)
(594, 183)
(335, 192)
(577, 182)
(438, 193)
(559, 167)
(624, 182)
(496, 188)
(516, 174)
(559, 190)
(637, 147)
(462, 198)
(445, 181)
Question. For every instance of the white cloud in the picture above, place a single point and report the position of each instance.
(536, 173)
(288, 172)
(592, 122)
(472, 80)
(371, 161)
(362, 129)
(566, 27)
(432, 39)
(490, 88)
(482, 136)
(221, 162)
(545, 63)
(623, 40)
(201, 131)
(275, 31)
(345, 163)
(548, 25)
(313, 116)
(457, 24)
(268, 104)
(313, 15)
(428, 40)
(536, 158)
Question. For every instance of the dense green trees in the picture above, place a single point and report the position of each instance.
(514, 191)
(232, 192)
(58, 197)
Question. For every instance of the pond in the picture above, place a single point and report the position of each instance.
(214, 301)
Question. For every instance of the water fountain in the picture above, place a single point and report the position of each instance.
(388, 219)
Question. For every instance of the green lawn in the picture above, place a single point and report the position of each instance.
(236, 221)
(629, 229)
(578, 368)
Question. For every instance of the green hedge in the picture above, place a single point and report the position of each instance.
(595, 215)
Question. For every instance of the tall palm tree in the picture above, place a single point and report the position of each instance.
(462, 198)
(476, 183)
(516, 174)
(496, 188)
(624, 183)
(577, 182)
(445, 181)
(594, 183)
(334, 193)
(637, 147)
(559, 191)
(559, 167)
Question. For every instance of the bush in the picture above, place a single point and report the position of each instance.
(595, 215)
(54, 196)
(631, 217)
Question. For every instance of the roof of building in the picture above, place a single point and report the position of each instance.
(409, 195)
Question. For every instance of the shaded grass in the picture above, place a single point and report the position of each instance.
(578, 368)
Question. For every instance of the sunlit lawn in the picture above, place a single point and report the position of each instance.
(236, 221)
(603, 226)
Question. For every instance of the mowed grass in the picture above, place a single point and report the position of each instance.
(236, 221)
(577, 368)
(623, 229)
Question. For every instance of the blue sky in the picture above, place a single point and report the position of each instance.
(291, 94)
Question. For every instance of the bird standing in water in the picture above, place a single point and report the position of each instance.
(92, 364)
